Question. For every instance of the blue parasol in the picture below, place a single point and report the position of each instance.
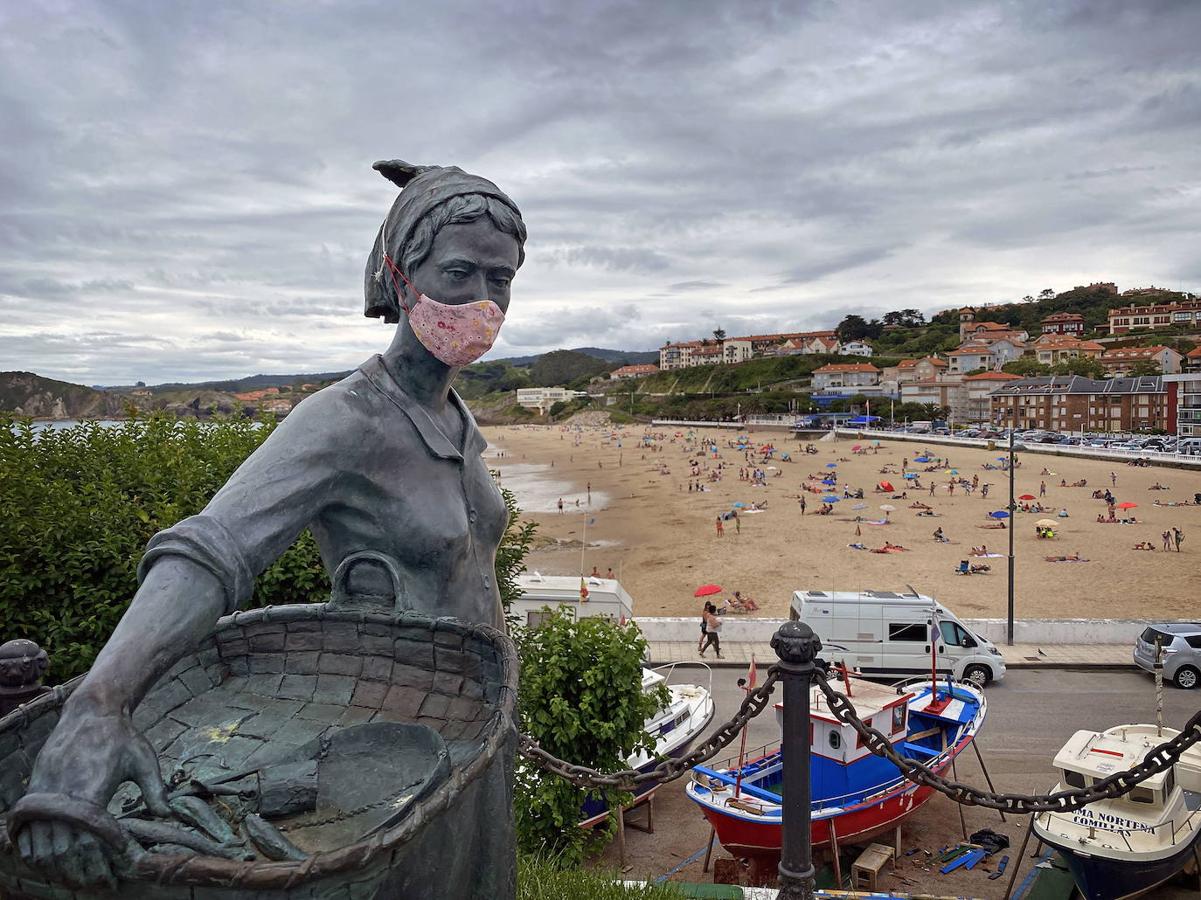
(830, 499)
(999, 514)
(911, 476)
(831, 465)
(921, 459)
(739, 505)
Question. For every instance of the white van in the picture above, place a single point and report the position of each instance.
(606, 597)
(882, 633)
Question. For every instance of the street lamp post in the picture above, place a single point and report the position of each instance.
(1012, 510)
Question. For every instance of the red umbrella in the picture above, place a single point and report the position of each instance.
(707, 589)
(1127, 505)
(1026, 497)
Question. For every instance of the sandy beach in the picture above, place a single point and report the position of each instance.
(661, 539)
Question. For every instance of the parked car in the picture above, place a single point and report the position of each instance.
(1181, 644)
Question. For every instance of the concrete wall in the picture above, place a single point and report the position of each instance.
(1048, 632)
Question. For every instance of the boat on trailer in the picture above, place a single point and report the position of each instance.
(855, 795)
(1132, 844)
(674, 727)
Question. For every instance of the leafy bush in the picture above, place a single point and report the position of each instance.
(581, 698)
(78, 505)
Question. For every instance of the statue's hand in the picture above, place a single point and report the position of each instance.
(86, 758)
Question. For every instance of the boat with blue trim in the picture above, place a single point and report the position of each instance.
(855, 794)
(675, 726)
(1132, 844)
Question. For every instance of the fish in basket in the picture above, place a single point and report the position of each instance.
(309, 751)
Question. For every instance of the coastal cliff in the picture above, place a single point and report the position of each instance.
(26, 394)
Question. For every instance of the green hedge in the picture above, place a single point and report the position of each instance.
(78, 505)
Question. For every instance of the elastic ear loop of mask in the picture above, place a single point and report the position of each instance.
(393, 269)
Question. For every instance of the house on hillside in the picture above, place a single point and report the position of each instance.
(1063, 323)
(1120, 360)
(1192, 360)
(736, 350)
(846, 379)
(855, 348)
(929, 368)
(1053, 348)
(640, 370)
(970, 328)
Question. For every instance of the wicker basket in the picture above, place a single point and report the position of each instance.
(275, 678)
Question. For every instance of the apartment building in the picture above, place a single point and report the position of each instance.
(1072, 403)
(1123, 319)
(1184, 403)
(1120, 360)
(543, 398)
(685, 354)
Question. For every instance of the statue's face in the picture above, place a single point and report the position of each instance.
(469, 261)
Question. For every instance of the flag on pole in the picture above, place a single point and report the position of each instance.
(583, 590)
(752, 675)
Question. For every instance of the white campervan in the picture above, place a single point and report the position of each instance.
(606, 597)
(882, 633)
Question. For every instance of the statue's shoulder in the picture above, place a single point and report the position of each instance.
(334, 416)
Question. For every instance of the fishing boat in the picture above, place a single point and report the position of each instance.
(855, 794)
(674, 727)
(1127, 846)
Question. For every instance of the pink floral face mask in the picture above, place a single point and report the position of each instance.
(457, 334)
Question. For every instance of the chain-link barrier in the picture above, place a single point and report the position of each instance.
(754, 703)
(1157, 760)
(1116, 785)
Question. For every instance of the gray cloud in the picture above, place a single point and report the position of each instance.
(188, 194)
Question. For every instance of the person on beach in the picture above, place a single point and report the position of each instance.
(1177, 537)
(609, 574)
(1166, 537)
(721, 529)
(700, 644)
(560, 506)
(1042, 489)
(802, 502)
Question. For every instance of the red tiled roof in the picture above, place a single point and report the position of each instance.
(1121, 353)
(636, 369)
(1064, 317)
(846, 367)
(1195, 353)
(992, 376)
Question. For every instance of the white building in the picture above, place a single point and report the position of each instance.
(846, 378)
(856, 348)
(543, 398)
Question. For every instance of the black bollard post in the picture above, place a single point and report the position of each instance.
(22, 665)
(797, 646)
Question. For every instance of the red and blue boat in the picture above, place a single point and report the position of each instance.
(855, 794)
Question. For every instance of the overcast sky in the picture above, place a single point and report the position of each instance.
(186, 188)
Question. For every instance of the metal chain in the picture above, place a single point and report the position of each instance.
(754, 703)
(1159, 759)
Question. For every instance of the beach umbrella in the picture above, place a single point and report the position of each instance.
(1046, 523)
(911, 476)
(831, 465)
(1003, 458)
(887, 507)
(859, 506)
(830, 499)
(706, 590)
(953, 472)
(999, 514)
(875, 443)
(739, 505)
(856, 448)
(1127, 505)
(1026, 497)
(921, 459)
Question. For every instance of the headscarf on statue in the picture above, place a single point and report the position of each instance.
(423, 188)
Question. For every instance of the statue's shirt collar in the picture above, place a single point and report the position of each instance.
(436, 441)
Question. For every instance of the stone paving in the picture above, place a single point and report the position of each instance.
(1019, 656)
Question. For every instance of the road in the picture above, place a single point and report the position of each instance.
(1030, 715)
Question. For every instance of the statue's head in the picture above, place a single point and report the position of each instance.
(452, 236)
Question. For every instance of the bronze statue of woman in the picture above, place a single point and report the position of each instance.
(388, 459)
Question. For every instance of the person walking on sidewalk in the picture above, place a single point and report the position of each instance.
(712, 630)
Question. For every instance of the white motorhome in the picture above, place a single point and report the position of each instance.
(882, 633)
(606, 597)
